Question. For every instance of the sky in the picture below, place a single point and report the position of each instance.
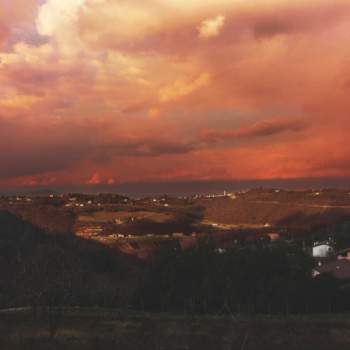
(103, 92)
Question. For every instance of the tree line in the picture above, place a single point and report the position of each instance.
(51, 272)
(256, 278)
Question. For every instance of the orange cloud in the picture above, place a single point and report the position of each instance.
(261, 129)
(88, 84)
(4, 34)
(183, 88)
(211, 27)
(94, 180)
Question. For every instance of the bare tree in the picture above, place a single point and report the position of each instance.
(50, 278)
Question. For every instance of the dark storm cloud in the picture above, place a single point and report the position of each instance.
(258, 130)
(62, 147)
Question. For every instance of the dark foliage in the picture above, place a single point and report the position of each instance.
(245, 279)
(57, 270)
(41, 269)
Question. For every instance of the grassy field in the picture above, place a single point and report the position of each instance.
(103, 329)
(105, 216)
(278, 213)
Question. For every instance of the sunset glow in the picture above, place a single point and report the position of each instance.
(112, 91)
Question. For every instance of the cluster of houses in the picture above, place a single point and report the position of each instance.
(331, 262)
(224, 194)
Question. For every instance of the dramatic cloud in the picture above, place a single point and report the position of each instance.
(183, 88)
(4, 33)
(211, 27)
(94, 180)
(105, 91)
(15, 16)
(262, 129)
(56, 15)
(32, 150)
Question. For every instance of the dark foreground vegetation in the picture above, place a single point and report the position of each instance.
(113, 329)
(265, 279)
(55, 277)
(54, 270)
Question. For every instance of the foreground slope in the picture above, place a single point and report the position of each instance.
(103, 329)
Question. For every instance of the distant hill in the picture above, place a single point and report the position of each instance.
(29, 257)
(48, 218)
(42, 192)
(297, 210)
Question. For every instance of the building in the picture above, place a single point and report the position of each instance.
(89, 231)
(178, 234)
(274, 236)
(322, 249)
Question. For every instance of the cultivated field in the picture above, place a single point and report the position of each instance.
(276, 212)
(105, 216)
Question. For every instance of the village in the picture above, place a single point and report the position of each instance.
(140, 226)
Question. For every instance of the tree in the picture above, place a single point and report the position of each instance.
(258, 278)
(50, 278)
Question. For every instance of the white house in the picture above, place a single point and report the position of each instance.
(322, 250)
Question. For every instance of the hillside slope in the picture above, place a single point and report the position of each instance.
(279, 213)
(32, 262)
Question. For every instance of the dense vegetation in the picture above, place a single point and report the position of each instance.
(246, 279)
(56, 270)
(96, 329)
(40, 269)
(52, 273)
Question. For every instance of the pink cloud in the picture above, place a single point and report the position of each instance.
(94, 180)
(127, 101)
(265, 128)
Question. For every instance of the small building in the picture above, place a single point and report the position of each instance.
(274, 236)
(178, 234)
(322, 249)
(220, 250)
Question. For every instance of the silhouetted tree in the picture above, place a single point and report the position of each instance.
(50, 278)
(256, 278)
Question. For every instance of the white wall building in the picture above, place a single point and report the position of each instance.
(322, 250)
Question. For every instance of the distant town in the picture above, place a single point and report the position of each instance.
(138, 227)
